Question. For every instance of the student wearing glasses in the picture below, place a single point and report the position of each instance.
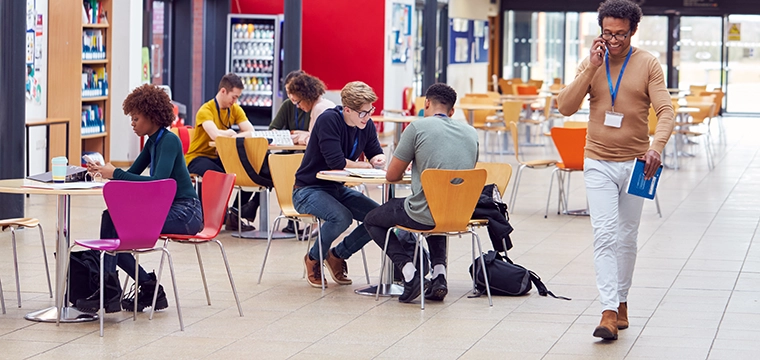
(305, 92)
(216, 118)
(338, 138)
(289, 117)
(622, 82)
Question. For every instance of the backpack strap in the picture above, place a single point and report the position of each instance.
(240, 144)
(542, 290)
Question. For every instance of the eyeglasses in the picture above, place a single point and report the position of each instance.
(363, 114)
(618, 37)
(295, 102)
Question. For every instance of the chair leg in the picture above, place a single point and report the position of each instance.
(483, 267)
(657, 203)
(240, 210)
(382, 263)
(229, 274)
(308, 246)
(15, 265)
(2, 297)
(203, 274)
(549, 197)
(137, 284)
(514, 188)
(102, 310)
(44, 256)
(321, 258)
(269, 244)
(422, 273)
(174, 285)
(366, 269)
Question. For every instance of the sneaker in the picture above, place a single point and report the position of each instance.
(231, 223)
(437, 289)
(145, 296)
(313, 272)
(290, 228)
(412, 289)
(111, 298)
(338, 268)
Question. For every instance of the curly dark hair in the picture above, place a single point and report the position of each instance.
(291, 75)
(620, 9)
(442, 94)
(306, 87)
(152, 102)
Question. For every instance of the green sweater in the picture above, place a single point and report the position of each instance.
(170, 163)
(288, 116)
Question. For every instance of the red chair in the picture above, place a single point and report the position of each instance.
(570, 143)
(216, 195)
(138, 223)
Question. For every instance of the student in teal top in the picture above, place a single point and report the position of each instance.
(151, 112)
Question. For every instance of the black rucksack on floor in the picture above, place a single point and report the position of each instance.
(507, 278)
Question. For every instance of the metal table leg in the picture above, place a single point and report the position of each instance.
(263, 232)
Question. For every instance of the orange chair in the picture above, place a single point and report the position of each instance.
(527, 90)
(570, 143)
(216, 196)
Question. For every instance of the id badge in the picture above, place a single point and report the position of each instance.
(613, 119)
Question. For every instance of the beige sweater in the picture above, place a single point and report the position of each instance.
(643, 83)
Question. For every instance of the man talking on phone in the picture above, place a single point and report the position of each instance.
(622, 82)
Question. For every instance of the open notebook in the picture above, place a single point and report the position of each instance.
(278, 137)
(367, 173)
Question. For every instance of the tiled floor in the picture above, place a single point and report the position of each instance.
(695, 293)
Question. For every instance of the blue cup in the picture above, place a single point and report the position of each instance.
(60, 163)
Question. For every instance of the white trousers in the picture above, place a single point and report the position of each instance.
(615, 217)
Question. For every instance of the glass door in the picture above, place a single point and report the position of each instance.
(699, 58)
(743, 59)
(156, 37)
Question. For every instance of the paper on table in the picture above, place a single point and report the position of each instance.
(66, 186)
(367, 173)
(334, 172)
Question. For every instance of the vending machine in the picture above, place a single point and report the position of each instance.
(253, 53)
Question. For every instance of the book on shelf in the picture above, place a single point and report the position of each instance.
(93, 45)
(93, 13)
(94, 82)
(639, 186)
(93, 121)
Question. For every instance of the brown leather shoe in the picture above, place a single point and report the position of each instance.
(338, 268)
(607, 328)
(622, 319)
(313, 272)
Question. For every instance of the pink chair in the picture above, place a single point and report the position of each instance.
(216, 196)
(138, 210)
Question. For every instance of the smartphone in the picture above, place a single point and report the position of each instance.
(88, 159)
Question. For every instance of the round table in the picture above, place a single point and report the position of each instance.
(387, 287)
(23, 186)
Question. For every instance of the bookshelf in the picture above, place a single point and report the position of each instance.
(71, 68)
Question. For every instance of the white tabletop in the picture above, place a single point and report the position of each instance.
(23, 186)
(356, 179)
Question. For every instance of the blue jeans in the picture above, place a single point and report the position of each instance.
(337, 206)
(185, 217)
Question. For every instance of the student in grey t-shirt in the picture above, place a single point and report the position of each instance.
(435, 142)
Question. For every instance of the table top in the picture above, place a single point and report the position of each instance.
(21, 186)
(398, 119)
(479, 107)
(686, 110)
(355, 179)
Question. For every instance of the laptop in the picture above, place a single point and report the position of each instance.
(73, 173)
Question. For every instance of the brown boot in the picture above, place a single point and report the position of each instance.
(313, 272)
(338, 268)
(622, 319)
(607, 328)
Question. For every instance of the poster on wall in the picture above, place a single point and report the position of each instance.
(401, 33)
(480, 41)
(460, 38)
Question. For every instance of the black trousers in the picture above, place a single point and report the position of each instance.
(392, 213)
(201, 164)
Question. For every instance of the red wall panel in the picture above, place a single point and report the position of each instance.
(342, 40)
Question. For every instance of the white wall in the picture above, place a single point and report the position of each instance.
(459, 75)
(37, 111)
(397, 76)
(125, 75)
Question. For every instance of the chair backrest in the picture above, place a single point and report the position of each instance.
(138, 210)
(452, 196)
(575, 124)
(283, 169)
(479, 116)
(527, 90)
(511, 110)
(652, 119)
(407, 98)
(419, 106)
(696, 89)
(476, 95)
(217, 188)
(185, 135)
(717, 99)
(535, 83)
(557, 81)
(497, 173)
(506, 87)
(255, 149)
(495, 96)
(570, 143)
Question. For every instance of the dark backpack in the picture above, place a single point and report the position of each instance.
(506, 278)
(84, 276)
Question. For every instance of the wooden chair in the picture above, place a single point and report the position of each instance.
(283, 169)
(256, 150)
(27, 223)
(716, 114)
(532, 164)
(451, 196)
(419, 106)
(511, 110)
(526, 90)
(536, 83)
(570, 144)
(506, 87)
(696, 89)
(689, 131)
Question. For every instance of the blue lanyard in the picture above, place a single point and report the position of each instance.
(219, 112)
(614, 92)
(356, 139)
(298, 126)
(153, 153)
(440, 115)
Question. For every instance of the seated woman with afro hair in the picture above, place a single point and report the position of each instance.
(150, 111)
